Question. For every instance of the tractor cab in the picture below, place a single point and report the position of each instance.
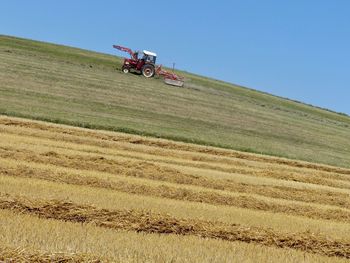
(147, 56)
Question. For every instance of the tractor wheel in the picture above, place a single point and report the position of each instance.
(148, 71)
(125, 70)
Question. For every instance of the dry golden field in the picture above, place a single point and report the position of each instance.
(76, 195)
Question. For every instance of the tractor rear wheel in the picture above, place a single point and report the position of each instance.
(148, 71)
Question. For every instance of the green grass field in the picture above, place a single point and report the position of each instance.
(73, 86)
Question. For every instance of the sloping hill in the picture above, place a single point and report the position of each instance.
(73, 86)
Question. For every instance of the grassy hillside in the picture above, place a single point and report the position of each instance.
(76, 195)
(72, 86)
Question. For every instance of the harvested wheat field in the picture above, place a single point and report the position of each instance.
(76, 195)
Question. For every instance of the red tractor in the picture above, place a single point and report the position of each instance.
(144, 62)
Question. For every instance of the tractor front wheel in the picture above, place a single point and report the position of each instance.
(125, 70)
(148, 71)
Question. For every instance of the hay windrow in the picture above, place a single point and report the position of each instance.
(184, 158)
(100, 162)
(172, 171)
(147, 222)
(166, 144)
(182, 194)
(101, 159)
(147, 170)
(23, 255)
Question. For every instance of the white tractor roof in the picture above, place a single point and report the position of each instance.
(149, 53)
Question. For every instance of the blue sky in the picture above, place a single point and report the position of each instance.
(297, 49)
